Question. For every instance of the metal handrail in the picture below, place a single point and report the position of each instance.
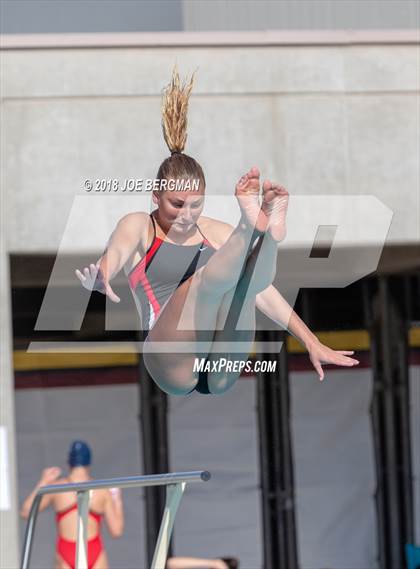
(176, 483)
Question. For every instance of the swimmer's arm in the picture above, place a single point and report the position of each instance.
(122, 244)
(27, 504)
(114, 512)
(49, 476)
(273, 305)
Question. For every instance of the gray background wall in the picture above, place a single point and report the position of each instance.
(300, 14)
(221, 517)
(61, 16)
(46, 16)
(333, 453)
(322, 120)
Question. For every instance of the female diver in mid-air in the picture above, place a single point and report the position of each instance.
(190, 269)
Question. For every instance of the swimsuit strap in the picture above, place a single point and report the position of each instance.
(154, 227)
(201, 233)
(155, 237)
(205, 240)
(61, 513)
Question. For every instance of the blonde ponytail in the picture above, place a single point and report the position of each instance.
(174, 112)
(174, 126)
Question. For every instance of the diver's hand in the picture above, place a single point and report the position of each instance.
(319, 353)
(92, 281)
(49, 475)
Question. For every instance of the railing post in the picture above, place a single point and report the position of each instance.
(29, 534)
(174, 494)
(82, 521)
(175, 482)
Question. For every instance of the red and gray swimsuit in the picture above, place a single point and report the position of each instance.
(162, 270)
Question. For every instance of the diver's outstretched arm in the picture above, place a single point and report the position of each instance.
(121, 245)
(275, 306)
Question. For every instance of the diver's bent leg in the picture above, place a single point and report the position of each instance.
(236, 316)
(224, 268)
(261, 265)
(173, 369)
(173, 372)
(196, 311)
(231, 362)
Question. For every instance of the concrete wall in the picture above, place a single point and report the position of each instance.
(44, 16)
(8, 478)
(336, 119)
(300, 14)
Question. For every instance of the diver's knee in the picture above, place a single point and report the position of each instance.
(177, 390)
(219, 386)
(172, 378)
(217, 390)
(173, 383)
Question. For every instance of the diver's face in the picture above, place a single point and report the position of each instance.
(179, 210)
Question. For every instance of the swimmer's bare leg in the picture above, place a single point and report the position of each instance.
(236, 316)
(261, 265)
(173, 370)
(102, 561)
(274, 204)
(204, 293)
(223, 379)
(192, 316)
(224, 268)
(60, 563)
(206, 312)
(198, 301)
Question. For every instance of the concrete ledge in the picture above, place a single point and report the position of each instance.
(229, 38)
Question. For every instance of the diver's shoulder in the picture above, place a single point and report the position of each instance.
(139, 218)
(216, 231)
(210, 222)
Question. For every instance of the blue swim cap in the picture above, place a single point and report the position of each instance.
(79, 454)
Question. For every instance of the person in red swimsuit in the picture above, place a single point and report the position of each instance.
(103, 503)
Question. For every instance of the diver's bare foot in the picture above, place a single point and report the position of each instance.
(274, 205)
(247, 191)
